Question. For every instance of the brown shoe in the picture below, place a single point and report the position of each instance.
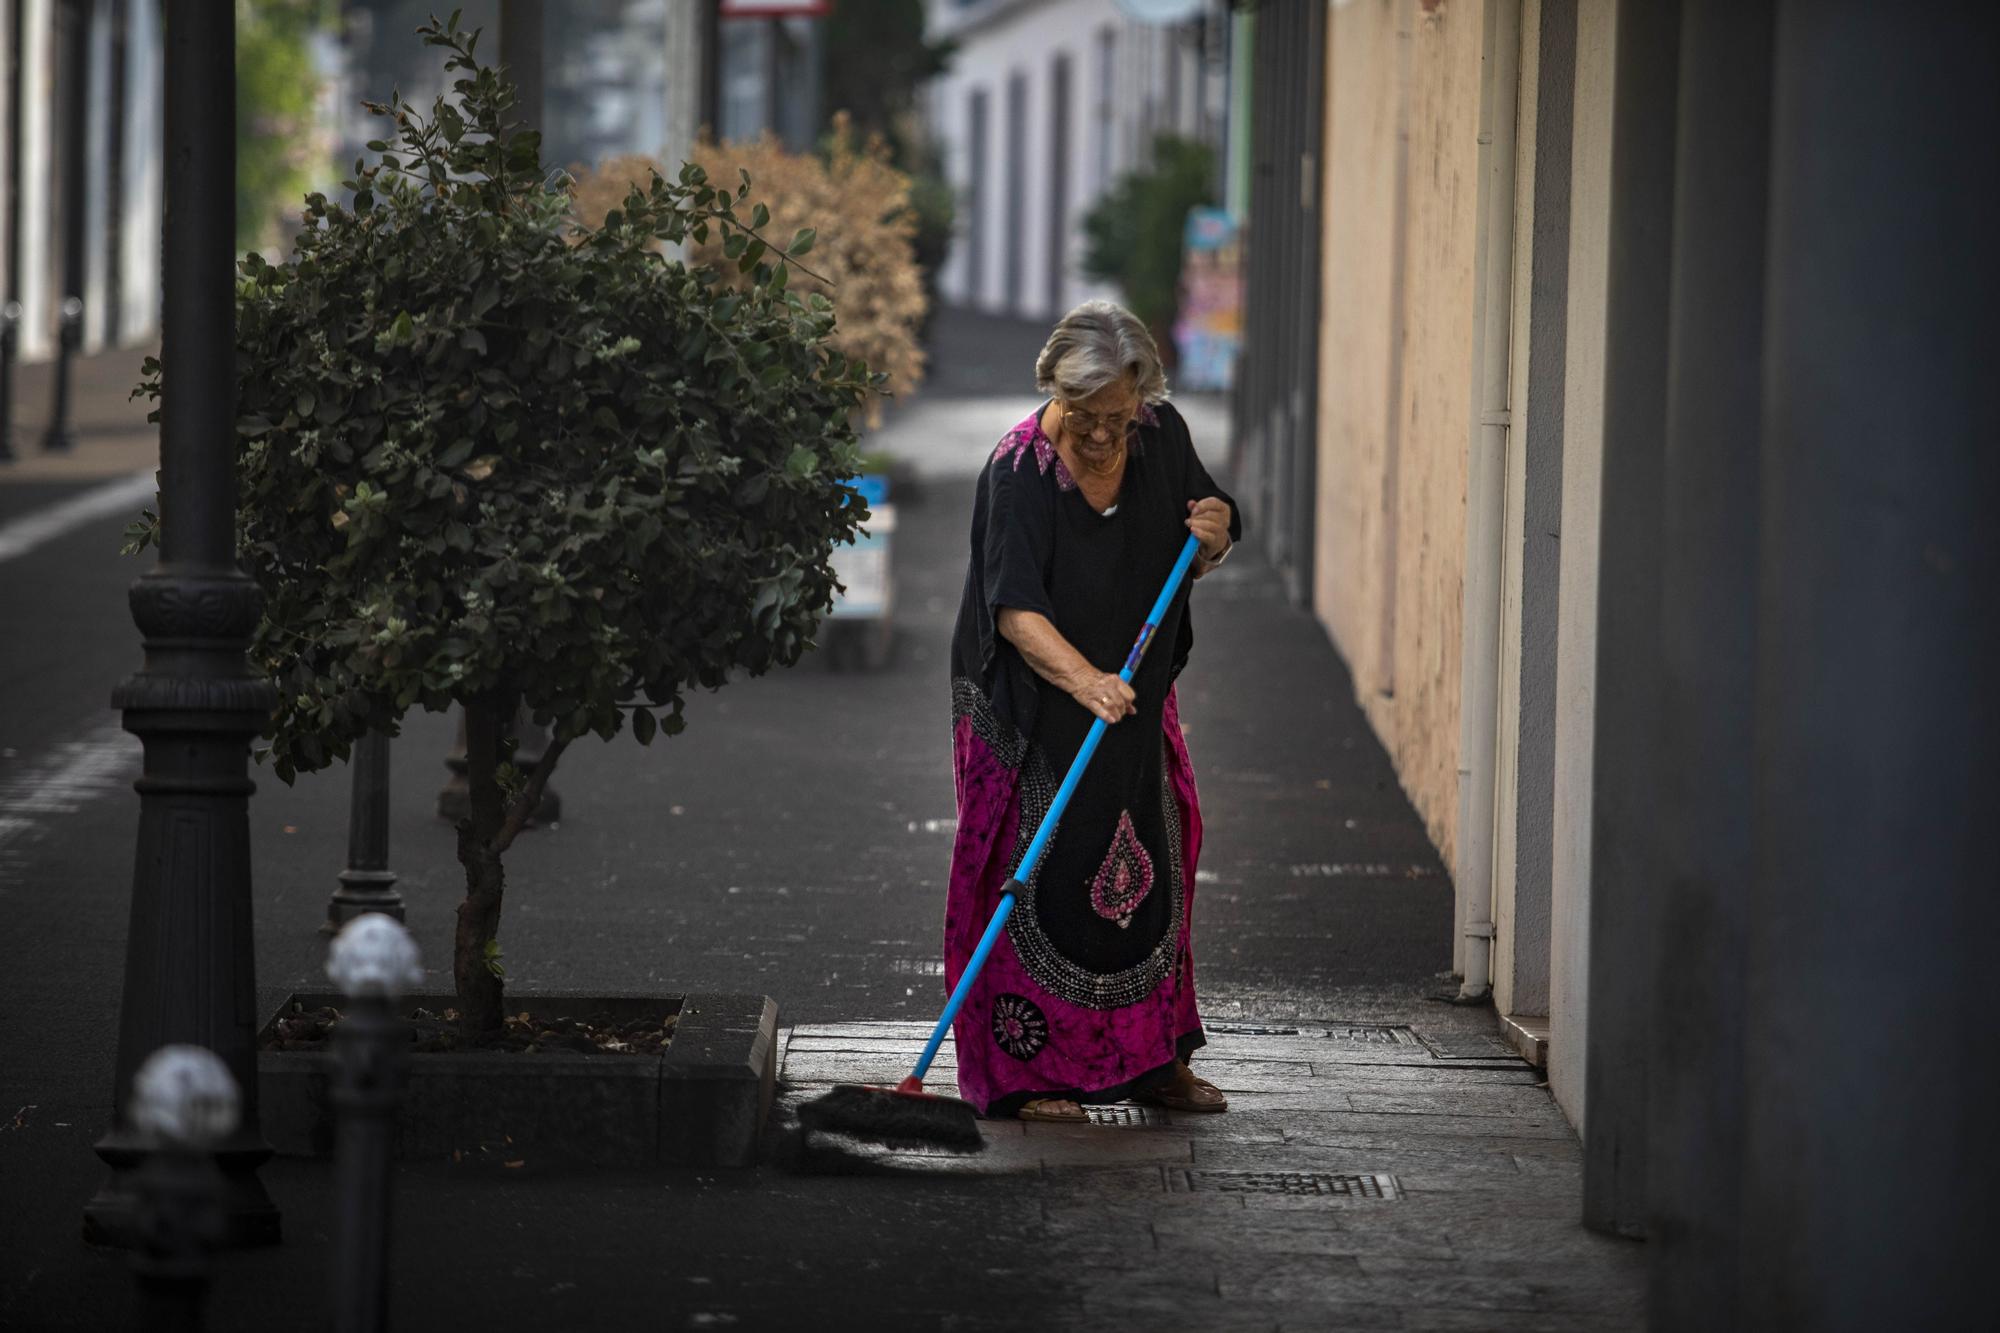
(1186, 1093)
(1052, 1111)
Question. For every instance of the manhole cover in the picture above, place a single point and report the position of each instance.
(1298, 1184)
(1125, 1115)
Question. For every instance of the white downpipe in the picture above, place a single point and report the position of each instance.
(1486, 491)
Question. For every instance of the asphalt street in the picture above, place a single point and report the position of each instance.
(792, 842)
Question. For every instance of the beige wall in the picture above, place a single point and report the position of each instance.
(1397, 342)
(1401, 566)
(1360, 333)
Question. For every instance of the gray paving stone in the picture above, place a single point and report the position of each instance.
(1198, 1234)
(1458, 1157)
(1143, 1210)
(1432, 1099)
(1318, 1125)
(1572, 1288)
(1435, 1319)
(1368, 1281)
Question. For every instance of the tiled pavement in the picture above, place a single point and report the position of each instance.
(1361, 1179)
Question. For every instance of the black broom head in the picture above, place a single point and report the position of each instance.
(895, 1119)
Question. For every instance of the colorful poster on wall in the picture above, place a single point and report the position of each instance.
(1209, 329)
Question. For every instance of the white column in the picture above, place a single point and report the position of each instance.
(139, 192)
(1576, 619)
(97, 182)
(38, 193)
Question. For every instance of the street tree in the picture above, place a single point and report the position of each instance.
(491, 455)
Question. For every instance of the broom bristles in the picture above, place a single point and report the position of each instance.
(895, 1119)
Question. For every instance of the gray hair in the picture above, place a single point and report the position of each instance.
(1096, 344)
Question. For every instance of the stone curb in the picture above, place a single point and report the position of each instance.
(702, 1102)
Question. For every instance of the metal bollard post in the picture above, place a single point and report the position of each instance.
(183, 1098)
(10, 328)
(454, 800)
(367, 885)
(61, 437)
(372, 961)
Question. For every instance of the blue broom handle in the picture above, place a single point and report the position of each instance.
(1033, 856)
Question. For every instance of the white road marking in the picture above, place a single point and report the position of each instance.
(74, 775)
(124, 496)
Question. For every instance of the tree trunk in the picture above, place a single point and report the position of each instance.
(475, 953)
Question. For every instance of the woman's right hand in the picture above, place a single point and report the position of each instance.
(1104, 694)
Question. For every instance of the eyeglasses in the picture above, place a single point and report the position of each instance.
(1082, 424)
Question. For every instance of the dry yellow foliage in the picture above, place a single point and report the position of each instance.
(863, 253)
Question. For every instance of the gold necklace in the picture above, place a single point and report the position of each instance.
(1105, 469)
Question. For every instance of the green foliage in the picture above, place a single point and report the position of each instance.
(875, 58)
(934, 206)
(274, 102)
(488, 452)
(1133, 236)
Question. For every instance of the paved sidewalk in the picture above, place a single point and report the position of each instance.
(793, 842)
(113, 435)
(1366, 1176)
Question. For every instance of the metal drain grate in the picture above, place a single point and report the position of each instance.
(1376, 1036)
(1250, 1030)
(1125, 1115)
(1469, 1046)
(1296, 1184)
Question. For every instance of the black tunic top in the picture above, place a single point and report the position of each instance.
(1038, 545)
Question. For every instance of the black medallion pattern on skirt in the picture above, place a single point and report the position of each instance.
(1052, 969)
(1019, 1026)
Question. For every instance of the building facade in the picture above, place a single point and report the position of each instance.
(1045, 104)
(81, 169)
(1646, 436)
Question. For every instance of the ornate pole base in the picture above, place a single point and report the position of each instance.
(190, 965)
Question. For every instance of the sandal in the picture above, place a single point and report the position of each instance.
(1204, 1098)
(1037, 1110)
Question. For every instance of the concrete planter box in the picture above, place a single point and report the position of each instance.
(700, 1103)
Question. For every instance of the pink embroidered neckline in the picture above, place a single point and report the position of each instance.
(1029, 436)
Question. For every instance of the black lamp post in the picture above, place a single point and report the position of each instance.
(10, 326)
(190, 966)
(61, 436)
(367, 885)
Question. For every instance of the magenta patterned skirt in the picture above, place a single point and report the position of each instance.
(1040, 1023)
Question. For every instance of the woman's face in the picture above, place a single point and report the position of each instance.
(1100, 423)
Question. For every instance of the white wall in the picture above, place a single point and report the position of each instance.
(1520, 943)
(97, 181)
(141, 190)
(34, 287)
(1006, 37)
(1576, 628)
(137, 194)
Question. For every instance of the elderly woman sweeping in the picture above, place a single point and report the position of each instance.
(1079, 516)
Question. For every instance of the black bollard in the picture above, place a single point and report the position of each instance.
(10, 326)
(367, 885)
(530, 738)
(372, 960)
(185, 1101)
(61, 436)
